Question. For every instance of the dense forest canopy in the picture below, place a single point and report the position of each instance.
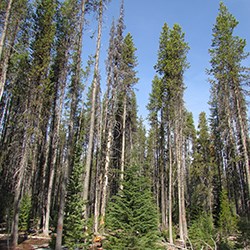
(81, 167)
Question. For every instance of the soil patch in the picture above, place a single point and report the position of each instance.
(26, 243)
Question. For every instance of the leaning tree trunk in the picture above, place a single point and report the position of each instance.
(4, 61)
(4, 32)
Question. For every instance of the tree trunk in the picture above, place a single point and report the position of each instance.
(180, 172)
(123, 139)
(55, 143)
(70, 146)
(93, 109)
(4, 32)
(244, 138)
(106, 172)
(98, 175)
(170, 224)
(18, 191)
(4, 62)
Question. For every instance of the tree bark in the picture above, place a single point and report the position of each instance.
(170, 222)
(4, 32)
(123, 139)
(244, 138)
(106, 172)
(18, 191)
(55, 143)
(93, 109)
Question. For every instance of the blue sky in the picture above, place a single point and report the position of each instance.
(144, 20)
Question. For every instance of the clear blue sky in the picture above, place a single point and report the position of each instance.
(144, 20)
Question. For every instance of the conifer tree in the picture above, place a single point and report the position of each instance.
(132, 215)
(169, 105)
(66, 19)
(201, 172)
(74, 219)
(74, 92)
(128, 64)
(228, 102)
(227, 218)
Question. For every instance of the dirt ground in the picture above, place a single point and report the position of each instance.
(30, 243)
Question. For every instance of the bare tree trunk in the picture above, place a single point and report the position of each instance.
(123, 139)
(110, 126)
(163, 199)
(98, 175)
(178, 161)
(170, 223)
(244, 139)
(59, 230)
(55, 144)
(2, 41)
(182, 155)
(180, 172)
(4, 32)
(106, 172)
(93, 108)
(18, 191)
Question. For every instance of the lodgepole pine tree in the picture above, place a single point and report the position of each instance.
(60, 68)
(201, 173)
(229, 110)
(72, 124)
(128, 63)
(170, 66)
(38, 101)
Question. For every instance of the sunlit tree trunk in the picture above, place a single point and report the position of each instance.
(4, 32)
(93, 110)
(123, 138)
(170, 194)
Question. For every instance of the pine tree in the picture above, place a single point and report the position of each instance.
(227, 218)
(74, 210)
(201, 172)
(66, 20)
(228, 101)
(169, 106)
(128, 64)
(132, 215)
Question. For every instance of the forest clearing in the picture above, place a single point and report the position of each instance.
(80, 168)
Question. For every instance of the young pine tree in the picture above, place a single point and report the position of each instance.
(74, 221)
(132, 216)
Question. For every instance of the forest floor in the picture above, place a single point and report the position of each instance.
(37, 242)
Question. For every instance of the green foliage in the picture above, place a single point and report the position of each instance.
(243, 240)
(201, 172)
(202, 232)
(228, 219)
(24, 216)
(74, 221)
(132, 215)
